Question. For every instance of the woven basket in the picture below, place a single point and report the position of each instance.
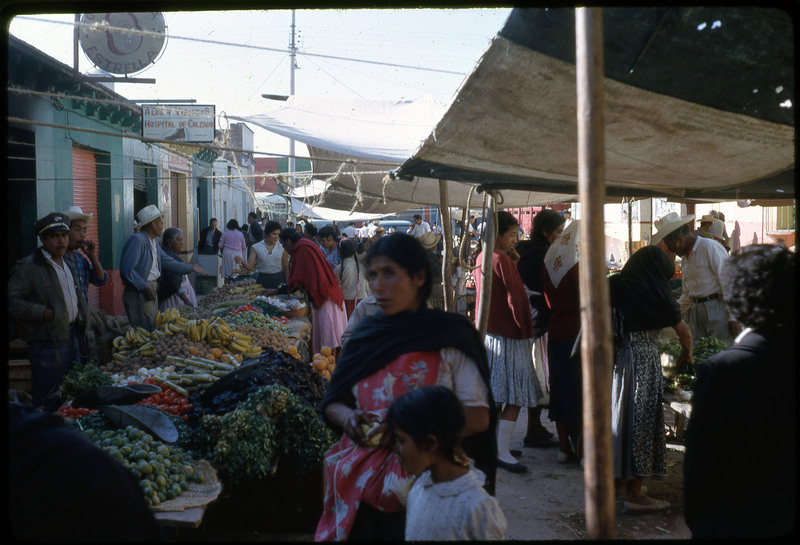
(199, 494)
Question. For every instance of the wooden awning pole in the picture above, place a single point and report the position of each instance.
(489, 236)
(596, 346)
(447, 245)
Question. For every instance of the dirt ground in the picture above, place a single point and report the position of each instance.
(548, 501)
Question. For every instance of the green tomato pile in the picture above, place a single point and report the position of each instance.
(163, 471)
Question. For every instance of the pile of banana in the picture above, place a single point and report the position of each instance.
(135, 339)
(220, 334)
(216, 333)
(171, 321)
(248, 290)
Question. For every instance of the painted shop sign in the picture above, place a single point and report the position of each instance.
(178, 123)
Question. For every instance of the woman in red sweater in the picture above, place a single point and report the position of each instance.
(509, 339)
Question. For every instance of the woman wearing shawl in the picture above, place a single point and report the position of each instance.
(311, 272)
(174, 288)
(560, 279)
(642, 305)
(402, 347)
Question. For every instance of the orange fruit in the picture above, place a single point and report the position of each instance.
(325, 374)
(325, 351)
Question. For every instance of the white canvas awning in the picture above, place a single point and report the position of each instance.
(354, 144)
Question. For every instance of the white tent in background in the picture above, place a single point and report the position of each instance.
(354, 144)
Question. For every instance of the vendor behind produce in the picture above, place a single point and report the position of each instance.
(268, 258)
(311, 272)
(140, 268)
(174, 288)
(50, 311)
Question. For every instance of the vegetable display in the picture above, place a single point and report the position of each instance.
(271, 422)
(686, 376)
(163, 471)
(271, 368)
(73, 413)
(169, 400)
(83, 377)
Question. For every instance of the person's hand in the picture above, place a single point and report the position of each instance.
(48, 314)
(735, 328)
(271, 292)
(352, 426)
(238, 260)
(90, 249)
(514, 255)
(199, 269)
(185, 299)
(149, 294)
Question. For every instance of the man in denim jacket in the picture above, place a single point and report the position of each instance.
(49, 309)
(140, 268)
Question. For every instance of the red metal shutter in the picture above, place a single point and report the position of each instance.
(84, 195)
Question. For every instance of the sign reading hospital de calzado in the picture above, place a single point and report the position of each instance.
(178, 123)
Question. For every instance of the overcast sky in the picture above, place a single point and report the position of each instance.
(445, 43)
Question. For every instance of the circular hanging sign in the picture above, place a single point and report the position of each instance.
(105, 42)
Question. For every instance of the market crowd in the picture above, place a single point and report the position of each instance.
(426, 407)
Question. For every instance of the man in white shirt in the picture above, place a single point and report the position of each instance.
(364, 231)
(50, 314)
(372, 228)
(419, 227)
(350, 231)
(701, 302)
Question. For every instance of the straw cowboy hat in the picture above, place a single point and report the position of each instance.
(429, 240)
(668, 224)
(75, 213)
(148, 214)
(708, 219)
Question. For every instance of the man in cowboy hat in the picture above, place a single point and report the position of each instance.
(701, 263)
(429, 242)
(140, 268)
(50, 313)
(419, 227)
(86, 270)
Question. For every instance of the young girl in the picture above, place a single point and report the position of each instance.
(351, 275)
(447, 501)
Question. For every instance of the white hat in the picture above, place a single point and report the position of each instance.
(75, 213)
(708, 218)
(429, 240)
(668, 224)
(147, 214)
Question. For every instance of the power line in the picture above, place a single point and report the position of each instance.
(107, 27)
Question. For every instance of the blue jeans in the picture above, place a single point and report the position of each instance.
(50, 361)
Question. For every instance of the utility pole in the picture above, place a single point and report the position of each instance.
(292, 55)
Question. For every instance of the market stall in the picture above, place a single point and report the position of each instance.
(215, 412)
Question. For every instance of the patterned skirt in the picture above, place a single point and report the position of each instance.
(513, 377)
(637, 416)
